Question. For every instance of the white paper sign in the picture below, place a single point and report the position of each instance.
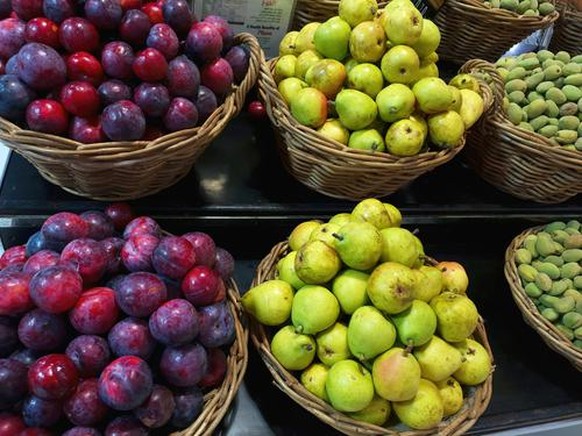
(268, 20)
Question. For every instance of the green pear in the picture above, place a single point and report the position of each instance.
(430, 58)
(377, 412)
(430, 283)
(301, 233)
(465, 81)
(457, 99)
(437, 358)
(421, 254)
(476, 363)
(313, 379)
(317, 262)
(472, 107)
(304, 61)
(367, 42)
(269, 302)
(327, 75)
(349, 287)
(433, 95)
(304, 40)
(288, 88)
(429, 40)
(367, 139)
(424, 411)
(396, 375)
(325, 233)
(332, 344)
(457, 316)
(287, 44)
(286, 270)
(334, 129)
(355, 109)
(416, 325)
(309, 107)
(390, 287)
(285, 67)
(349, 386)
(359, 245)
(403, 25)
(356, 11)
(446, 129)
(331, 39)
(394, 214)
(404, 138)
(451, 394)
(369, 333)
(341, 218)
(373, 211)
(294, 351)
(419, 117)
(366, 77)
(427, 70)
(399, 246)
(314, 309)
(395, 101)
(400, 64)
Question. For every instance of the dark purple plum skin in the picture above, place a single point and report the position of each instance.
(140, 225)
(206, 102)
(152, 98)
(178, 15)
(82, 431)
(41, 413)
(100, 225)
(63, 227)
(185, 365)
(131, 337)
(90, 354)
(13, 382)
(134, 28)
(42, 331)
(163, 38)
(15, 96)
(8, 335)
(41, 67)
(183, 77)
(189, 404)
(125, 383)
(182, 114)
(84, 407)
(112, 91)
(216, 325)
(123, 121)
(158, 408)
(140, 293)
(173, 257)
(126, 425)
(105, 14)
(58, 10)
(174, 322)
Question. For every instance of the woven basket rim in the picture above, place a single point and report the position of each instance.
(104, 151)
(553, 337)
(277, 109)
(531, 142)
(218, 400)
(474, 406)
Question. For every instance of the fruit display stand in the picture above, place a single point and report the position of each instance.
(517, 161)
(475, 403)
(471, 30)
(552, 336)
(307, 11)
(240, 193)
(123, 170)
(567, 29)
(337, 170)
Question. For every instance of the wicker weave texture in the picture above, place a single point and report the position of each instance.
(307, 11)
(568, 29)
(475, 403)
(116, 171)
(521, 163)
(470, 30)
(333, 169)
(217, 402)
(544, 328)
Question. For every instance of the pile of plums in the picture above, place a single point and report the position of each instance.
(108, 325)
(114, 70)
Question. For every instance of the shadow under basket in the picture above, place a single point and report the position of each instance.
(333, 169)
(117, 171)
(553, 337)
(567, 30)
(475, 403)
(519, 162)
(218, 401)
(470, 30)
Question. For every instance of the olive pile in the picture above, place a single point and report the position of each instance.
(550, 268)
(543, 94)
(524, 7)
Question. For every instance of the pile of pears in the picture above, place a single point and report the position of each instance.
(368, 79)
(357, 313)
(529, 8)
(543, 94)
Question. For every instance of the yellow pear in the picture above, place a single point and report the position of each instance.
(446, 129)
(437, 358)
(304, 40)
(287, 44)
(451, 394)
(429, 39)
(424, 411)
(429, 284)
(455, 278)
(269, 302)
(334, 129)
(314, 308)
(377, 412)
(317, 262)
(294, 351)
(313, 379)
(472, 107)
(349, 386)
(476, 363)
(356, 11)
(301, 233)
(396, 375)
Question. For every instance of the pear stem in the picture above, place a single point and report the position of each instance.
(338, 237)
(408, 348)
(416, 231)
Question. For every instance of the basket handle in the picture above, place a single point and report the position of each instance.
(255, 62)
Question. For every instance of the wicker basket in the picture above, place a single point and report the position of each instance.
(219, 399)
(475, 404)
(470, 30)
(307, 11)
(568, 29)
(548, 332)
(519, 162)
(333, 169)
(116, 171)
